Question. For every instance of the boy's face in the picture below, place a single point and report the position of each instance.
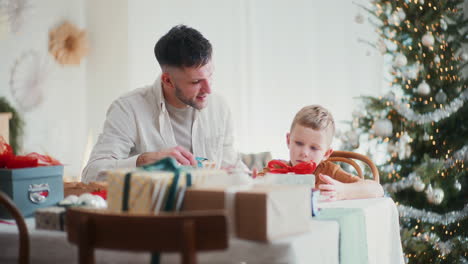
(307, 144)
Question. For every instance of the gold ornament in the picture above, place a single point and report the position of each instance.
(68, 44)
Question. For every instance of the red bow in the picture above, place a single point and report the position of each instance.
(278, 166)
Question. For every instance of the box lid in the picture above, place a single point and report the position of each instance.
(28, 173)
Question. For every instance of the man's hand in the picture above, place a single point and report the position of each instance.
(183, 156)
(333, 189)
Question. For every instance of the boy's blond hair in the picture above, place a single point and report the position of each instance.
(316, 117)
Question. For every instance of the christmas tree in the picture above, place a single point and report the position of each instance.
(421, 124)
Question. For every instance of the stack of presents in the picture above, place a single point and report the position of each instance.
(260, 210)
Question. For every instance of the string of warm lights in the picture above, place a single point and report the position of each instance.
(444, 247)
(431, 217)
(435, 116)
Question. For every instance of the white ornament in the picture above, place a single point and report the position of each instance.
(438, 196)
(383, 128)
(400, 60)
(464, 56)
(421, 2)
(440, 97)
(428, 39)
(457, 185)
(426, 136)
(443, 24)
(437, 59)
(423, 88)
(419, 185)
(359, 19)
(85, 198)
(429, 193)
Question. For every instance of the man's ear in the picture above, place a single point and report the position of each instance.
(166, 80)
(328, 153)
(288, 139)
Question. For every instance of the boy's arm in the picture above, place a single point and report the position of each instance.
(337, 190)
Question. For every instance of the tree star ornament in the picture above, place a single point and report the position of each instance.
(428, 39)
(68, 44)
(424, 88)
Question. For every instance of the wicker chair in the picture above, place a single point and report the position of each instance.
(349, 157)
(8, 204)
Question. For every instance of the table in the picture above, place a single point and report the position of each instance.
(319, 245)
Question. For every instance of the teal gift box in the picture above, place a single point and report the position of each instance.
(31, 188)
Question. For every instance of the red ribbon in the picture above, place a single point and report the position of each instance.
(278, 166)
(10, 161)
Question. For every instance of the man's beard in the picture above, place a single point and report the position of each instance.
(190, 102)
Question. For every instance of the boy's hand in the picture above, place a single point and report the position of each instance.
(334, 189)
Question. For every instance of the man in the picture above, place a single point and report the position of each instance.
(175, 117)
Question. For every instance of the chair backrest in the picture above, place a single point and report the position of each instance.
(348, 156)
(185, 232)
(21, 224)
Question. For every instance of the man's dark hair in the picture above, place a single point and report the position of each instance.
(183, 46)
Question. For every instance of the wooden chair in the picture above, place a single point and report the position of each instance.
(185, 233)
(348, 156)
(8, 204)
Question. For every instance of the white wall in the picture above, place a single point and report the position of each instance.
(57, 126)
(107, 71)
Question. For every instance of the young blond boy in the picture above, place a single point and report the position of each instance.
(310, 139)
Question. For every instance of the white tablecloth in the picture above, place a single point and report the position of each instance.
(319, 245)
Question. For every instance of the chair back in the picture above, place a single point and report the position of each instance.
(182, 232)
(348, 156)
(7, 203)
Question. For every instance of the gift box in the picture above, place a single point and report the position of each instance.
(50, 218)
(266, 212)
(137, 191)
(32, 188)
(152, 191)
(260, 213)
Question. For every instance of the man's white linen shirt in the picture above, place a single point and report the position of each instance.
(139, 122)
